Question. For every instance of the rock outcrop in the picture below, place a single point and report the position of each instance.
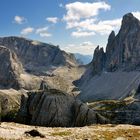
(115, 73)
(55, 108)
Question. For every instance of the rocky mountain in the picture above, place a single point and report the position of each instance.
(123, 50)
(27, 62)
(113, 74)
(36, 56)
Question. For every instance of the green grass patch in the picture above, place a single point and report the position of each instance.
(111, 104)
(62, 133)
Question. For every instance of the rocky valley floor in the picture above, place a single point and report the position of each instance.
(14, 131)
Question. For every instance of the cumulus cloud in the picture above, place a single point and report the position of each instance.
(83, 16)
(52, 19)
(20, 20)
(103, 27)
(78, 10)
(92, 26)
(27, 31)
(136, 14)
(43, 32)
(85, 48)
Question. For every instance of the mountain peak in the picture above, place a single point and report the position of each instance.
(128, 15)
(111, 37)
(129, 20)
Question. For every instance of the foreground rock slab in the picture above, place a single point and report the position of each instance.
(98, 132)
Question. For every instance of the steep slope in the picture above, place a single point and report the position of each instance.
(115, 73)
(10, 69)
(12, 74)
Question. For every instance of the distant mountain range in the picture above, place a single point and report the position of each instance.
(83, 59)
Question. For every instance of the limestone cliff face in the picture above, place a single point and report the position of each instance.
(10, 69)
(123, 50)
(36, 56)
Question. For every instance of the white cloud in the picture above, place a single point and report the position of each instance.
(136, 14)
(20, 20)
(104, 27)
(86, 43)
(40, 30)
(85, 48)
(78, 34)
(92, 26)
(83, 23)
(27, 31)
(43, 32)
(78, 10)
(82, 17)
(52, 19)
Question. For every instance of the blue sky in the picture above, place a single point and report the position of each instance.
(76, 26)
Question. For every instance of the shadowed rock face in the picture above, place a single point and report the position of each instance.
(56, 109)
